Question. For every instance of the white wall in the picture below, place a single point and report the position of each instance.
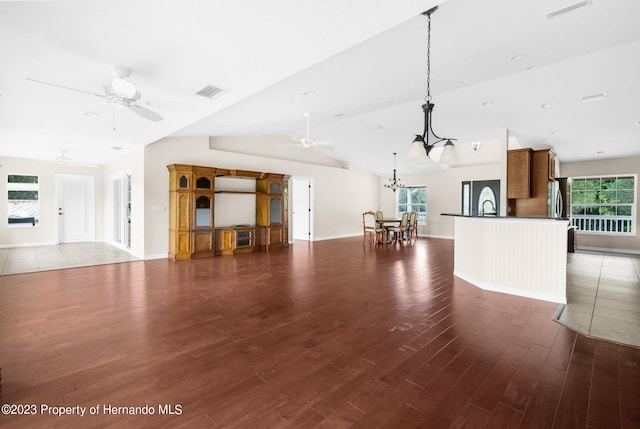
(341, 195)
(46, 232)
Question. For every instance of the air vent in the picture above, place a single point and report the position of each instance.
(210, 91)
(568, 8)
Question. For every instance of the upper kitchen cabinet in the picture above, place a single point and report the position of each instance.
(542, 171)
(519, 173)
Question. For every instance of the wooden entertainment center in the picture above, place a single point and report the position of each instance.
(193, 231)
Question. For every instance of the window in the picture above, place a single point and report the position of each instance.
(604, 205)
(413, 199)
(23, 206)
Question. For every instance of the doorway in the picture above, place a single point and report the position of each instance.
(121, 210)
(75, 197)
(301, 196)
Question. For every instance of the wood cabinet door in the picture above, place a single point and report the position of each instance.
(519, 173)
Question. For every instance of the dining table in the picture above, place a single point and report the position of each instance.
(386, 223)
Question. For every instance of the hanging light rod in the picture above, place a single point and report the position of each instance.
(423, 143)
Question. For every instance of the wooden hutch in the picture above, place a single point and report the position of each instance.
(193, 232)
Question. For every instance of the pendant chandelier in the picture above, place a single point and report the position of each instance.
(395, 182)
(423, 143)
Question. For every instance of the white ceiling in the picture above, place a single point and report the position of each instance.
(363, 59)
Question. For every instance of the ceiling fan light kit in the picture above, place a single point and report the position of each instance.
(423, 143)
(123, 87)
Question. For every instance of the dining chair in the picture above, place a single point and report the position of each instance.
(400, 230)
(413, 225)
(379, 215)
(371, 228)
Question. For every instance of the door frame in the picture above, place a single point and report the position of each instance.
(307, 182)
(124, 213)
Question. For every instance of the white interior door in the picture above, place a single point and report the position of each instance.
(75, 196)
(301, 204)
(121, 213)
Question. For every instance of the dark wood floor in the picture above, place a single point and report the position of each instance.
(330, 334)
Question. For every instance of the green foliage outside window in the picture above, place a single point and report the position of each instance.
(604, 197)
(413, 199)
(15, 178)
(23, 195)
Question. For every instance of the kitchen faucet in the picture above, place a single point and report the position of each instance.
(493, 208)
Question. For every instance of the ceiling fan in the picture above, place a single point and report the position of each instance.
(307, 142)
(119, 92)
(63, 159)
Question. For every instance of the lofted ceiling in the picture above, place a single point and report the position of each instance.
(358, 66)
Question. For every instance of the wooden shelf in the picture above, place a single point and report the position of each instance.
(192, 206)
(237, 192)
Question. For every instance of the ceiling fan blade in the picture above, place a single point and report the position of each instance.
(145, 113)
(65, 87)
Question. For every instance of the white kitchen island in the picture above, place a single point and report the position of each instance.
(519, 256)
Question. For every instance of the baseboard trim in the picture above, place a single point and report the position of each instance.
(335, 237)
(444, 237)
(511, 291)
(156, 256)
(608, 250)
(42, 243)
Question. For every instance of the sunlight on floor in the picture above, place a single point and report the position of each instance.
(603, 296)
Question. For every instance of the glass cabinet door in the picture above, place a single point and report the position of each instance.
(275, 188)
(203, 211)
(275, 210)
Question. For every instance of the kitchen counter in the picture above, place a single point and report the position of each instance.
(519, 256)
(502, 217)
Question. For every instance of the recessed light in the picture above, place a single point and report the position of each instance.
(337, 115)
(552, 132)
(531, 67)
(393, 101)
(546, 105)
(568, 8)
(637, 122)
(600, 152)
(376, 127)
(90, 114)
(594, 97)
(487, 104)
(463, 81)
(516, 57)
(309, 93)
(116, 147)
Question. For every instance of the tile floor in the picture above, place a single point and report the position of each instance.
(42, 258)
(603, 296)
